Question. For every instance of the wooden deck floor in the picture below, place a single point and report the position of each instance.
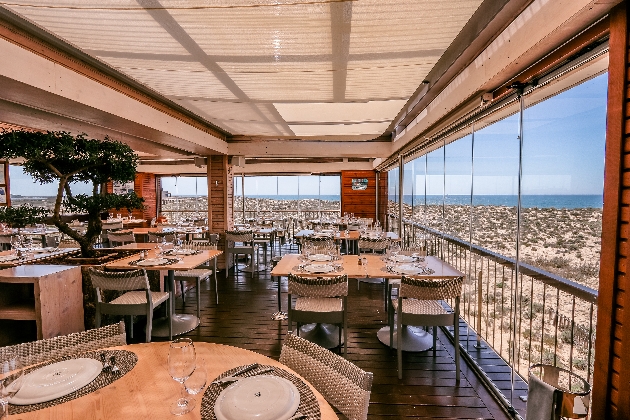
(243, 319)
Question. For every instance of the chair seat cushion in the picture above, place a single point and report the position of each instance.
(420, 307)
(140, 298)
(319, 304)
(193, 274)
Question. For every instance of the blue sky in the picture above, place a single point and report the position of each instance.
(563, 151)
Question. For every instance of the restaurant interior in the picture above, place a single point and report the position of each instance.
(322, 209)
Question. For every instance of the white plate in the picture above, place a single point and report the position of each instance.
(408, 269)
(152, 261)
(319, 268)
(319, 257)
(5, 258)
(402, 258)
(258, 397)
(181, 252)
(56, 380)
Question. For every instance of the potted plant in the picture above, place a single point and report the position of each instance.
(22, 216)
(59, 157)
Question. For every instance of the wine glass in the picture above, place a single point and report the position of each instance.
(197, 381)
(11, 380)
(181, 365)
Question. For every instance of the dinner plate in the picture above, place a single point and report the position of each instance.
(319, 268)
(319, 257)
(261, 397)
(56, 380)
(408, 269)
(402, 258)
(5, 258)
(152, 261)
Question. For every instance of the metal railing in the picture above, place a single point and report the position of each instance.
(302, 214)
(554, 317)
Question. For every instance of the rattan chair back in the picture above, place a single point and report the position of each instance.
(341, 383)
(119, 280)
(318, 286)
(239, 235)
(157, 236)
(373, 244)
(67, 345)
(430, 289)
(121, 237)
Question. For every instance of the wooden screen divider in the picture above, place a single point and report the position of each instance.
(220, 201)
(611, 378)
(363, 202)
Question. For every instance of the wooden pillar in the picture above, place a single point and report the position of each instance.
(145, 186)
(363, 202)
(611, 377)
(5, 199)
(220, 200)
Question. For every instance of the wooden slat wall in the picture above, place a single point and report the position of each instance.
(611, 379)
(220, 203)
(363, 203)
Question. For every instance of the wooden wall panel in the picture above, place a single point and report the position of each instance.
(220, 200)
(6, 184)
(145, 186)
(363, 203)
(611, 378)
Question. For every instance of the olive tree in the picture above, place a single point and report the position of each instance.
(63, 158)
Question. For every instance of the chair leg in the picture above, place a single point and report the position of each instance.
(199, 297)
(169, 310)
(399, 339)
(131, 326)
(345, 331)
(149, 325)
(434, 339)
(181, 286)
(390, 322)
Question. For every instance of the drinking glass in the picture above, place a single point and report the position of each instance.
(181, 365)
(197, 381)
(11, 380)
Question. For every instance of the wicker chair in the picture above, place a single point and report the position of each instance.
(158, 236)
(5, 241)
(418, 303)
(67, 345)
(198, 274)
(139, 299)
(340, 382)
(320, 300)
(121, 238)
(241, 242)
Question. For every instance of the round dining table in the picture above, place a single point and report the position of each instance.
(147, 391)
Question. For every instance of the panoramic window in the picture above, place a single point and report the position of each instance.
(525, 316)
(304, 196)
(184, 198)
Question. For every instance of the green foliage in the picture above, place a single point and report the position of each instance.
(60, 156)
(21, 216)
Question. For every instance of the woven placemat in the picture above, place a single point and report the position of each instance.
(125, 360)
(308, 402)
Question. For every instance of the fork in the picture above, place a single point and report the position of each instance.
(239, 372)
(234, 378)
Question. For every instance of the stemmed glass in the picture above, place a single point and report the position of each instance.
(11, 380)
(197, 381)
(181, 365)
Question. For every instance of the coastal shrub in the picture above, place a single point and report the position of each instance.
(565, 336)
(579, 364)
(550, 340)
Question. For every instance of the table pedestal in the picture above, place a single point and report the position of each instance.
(182, 323)
(413, 338)
(325, 335)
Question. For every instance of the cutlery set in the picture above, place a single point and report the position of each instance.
(109, 366)
(235, 376)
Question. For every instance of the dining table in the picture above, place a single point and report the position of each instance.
(182, 323)
(36, 255)
(366, 266)
(189, 231)
(147, 390)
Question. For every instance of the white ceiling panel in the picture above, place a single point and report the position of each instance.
(267, 67)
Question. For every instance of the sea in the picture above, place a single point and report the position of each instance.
(527, 201)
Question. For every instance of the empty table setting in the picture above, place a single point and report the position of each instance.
(171, 260)
(156, 380)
